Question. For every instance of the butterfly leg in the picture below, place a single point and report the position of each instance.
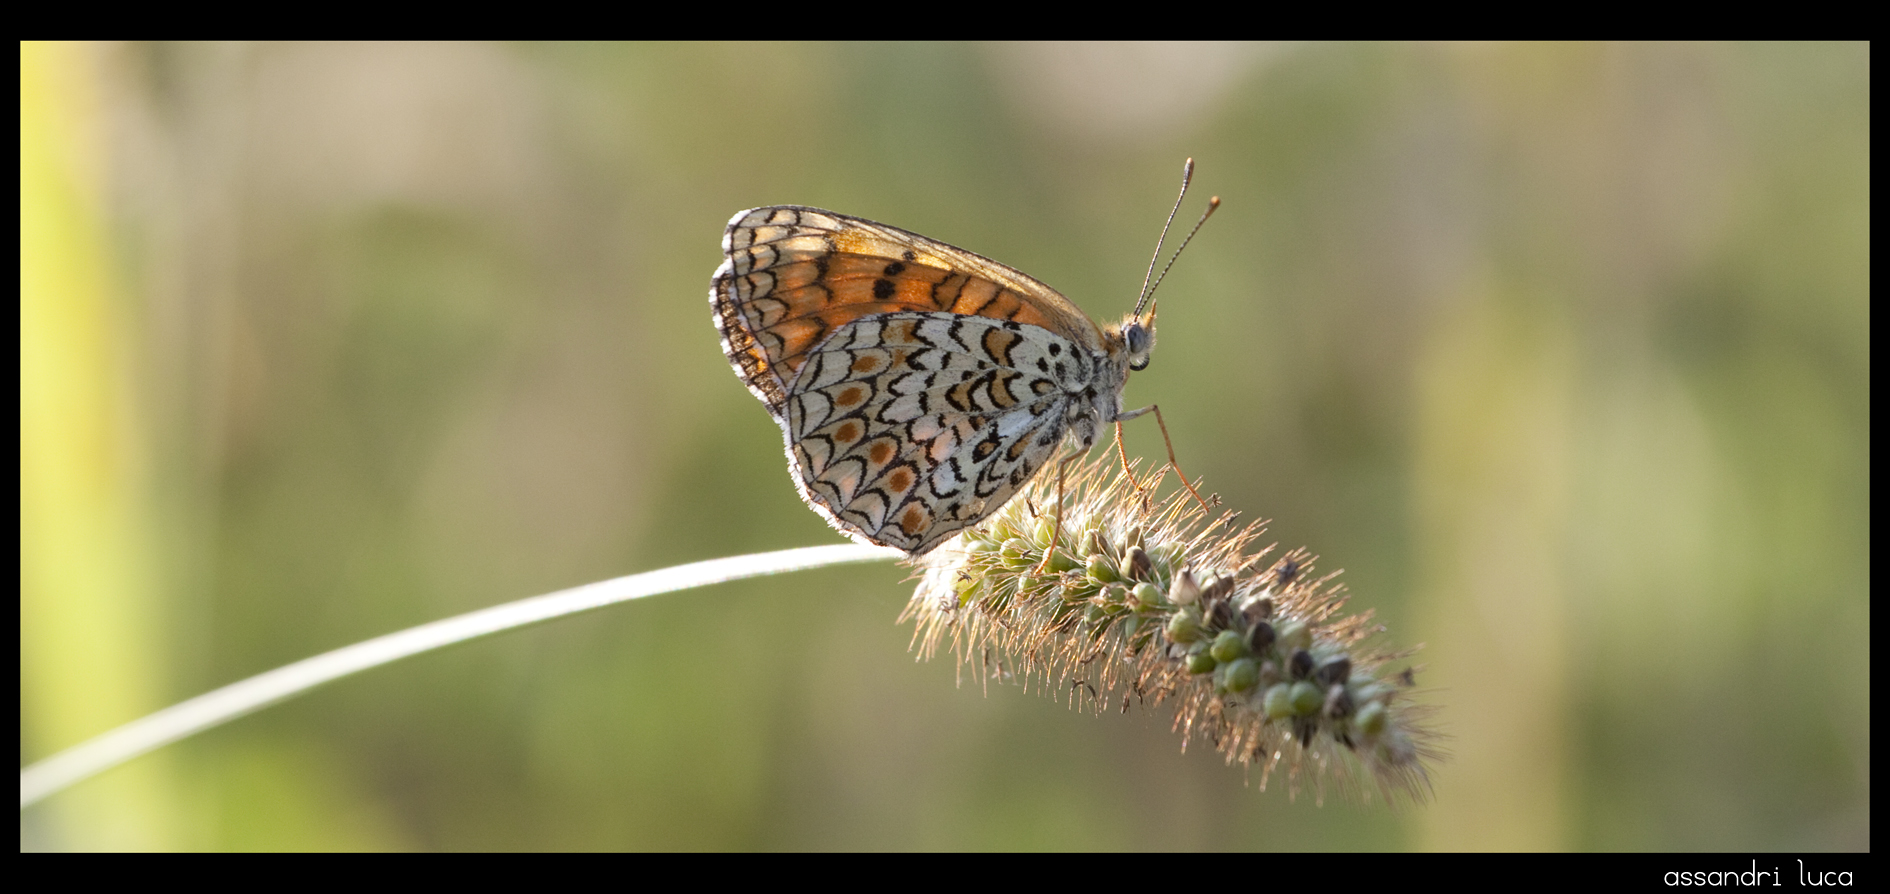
(1056, 526)
(1167, 442)
(1146, 493)
(1123, 453)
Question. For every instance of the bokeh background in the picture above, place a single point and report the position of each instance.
(1560, 351)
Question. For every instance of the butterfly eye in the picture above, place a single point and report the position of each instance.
(1137, 338)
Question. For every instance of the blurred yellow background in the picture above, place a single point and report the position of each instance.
(1560, 351)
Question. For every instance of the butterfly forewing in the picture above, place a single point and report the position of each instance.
(792, 275)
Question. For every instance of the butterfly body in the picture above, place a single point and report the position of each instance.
(918, 386)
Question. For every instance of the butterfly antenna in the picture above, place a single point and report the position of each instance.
(1213, 204)
(1187, 174)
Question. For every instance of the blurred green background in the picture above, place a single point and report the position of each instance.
(1560, 351)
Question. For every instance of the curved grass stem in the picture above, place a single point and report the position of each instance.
(220, 706)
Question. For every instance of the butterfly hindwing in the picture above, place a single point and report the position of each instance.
(906, 427)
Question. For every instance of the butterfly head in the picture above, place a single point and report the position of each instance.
(1137, 337)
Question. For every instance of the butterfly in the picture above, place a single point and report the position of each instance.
(918, 386)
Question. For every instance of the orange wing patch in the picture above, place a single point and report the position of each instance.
(809, 304)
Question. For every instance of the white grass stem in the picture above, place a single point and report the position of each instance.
(237, 699)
